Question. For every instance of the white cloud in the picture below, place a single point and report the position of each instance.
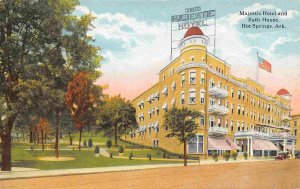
(145, 50)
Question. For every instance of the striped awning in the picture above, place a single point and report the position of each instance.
(233, 144)
(259, 144)
(218, 144)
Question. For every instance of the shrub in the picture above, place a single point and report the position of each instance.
(108, 143)
(215, 155)
(245, 154)
(84, 143)
(164, 155)
(149, 156)
(90, 143)
(111, 155)
(130, 156)
(97, 150)
(234, 155)
(226, 156)
(121, 149)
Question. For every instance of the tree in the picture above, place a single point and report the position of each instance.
(42, 128)
(117, 117)
(82, 99)
(40, 39)
(182, 126)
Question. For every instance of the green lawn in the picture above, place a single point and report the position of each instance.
(138, 152)
(83, 159)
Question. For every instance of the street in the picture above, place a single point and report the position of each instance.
(266, 174)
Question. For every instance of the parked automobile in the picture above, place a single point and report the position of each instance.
(297, 155)
(282, 155)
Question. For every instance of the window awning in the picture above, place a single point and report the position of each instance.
(165, 89)
(173, 101)
(165, 106)
(259, 144)
(233, 144)
(221, 144)
(173, 84)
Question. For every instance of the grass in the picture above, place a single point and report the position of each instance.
(138, 152)
(83, 159)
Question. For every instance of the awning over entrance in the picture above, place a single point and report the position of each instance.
(221, 144)
(259, 144)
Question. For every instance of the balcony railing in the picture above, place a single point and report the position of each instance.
(217, 130)
(218, 92)
(285, 128)
(285, 118)
(217, 109)
(251, 133)
(281, 135)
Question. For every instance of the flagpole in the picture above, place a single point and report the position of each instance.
(257, 69)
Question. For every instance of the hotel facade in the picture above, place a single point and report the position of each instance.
(237, 114)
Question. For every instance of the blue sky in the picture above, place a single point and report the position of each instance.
(135, 41)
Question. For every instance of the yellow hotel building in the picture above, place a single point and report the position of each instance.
(295, 122)
(237, 113)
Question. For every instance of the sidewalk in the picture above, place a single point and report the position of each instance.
(18, 173)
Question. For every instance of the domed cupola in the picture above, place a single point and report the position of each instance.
(193, 37)
(284, 93)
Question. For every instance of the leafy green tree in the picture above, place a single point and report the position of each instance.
(117, 117)
(182, 126)
(40, 41)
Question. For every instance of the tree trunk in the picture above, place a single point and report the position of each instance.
(43, 145)
(45, 138)
(6, 144)
(116, 136)
(184, 153)
(70, 138)
(57, 134)
(6, 152)
(79, 145)
(30, 136)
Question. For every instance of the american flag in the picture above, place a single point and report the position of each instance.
(263, 64)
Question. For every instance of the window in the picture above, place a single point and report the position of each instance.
(232, 93)
(192, 77)
(165, 90)
(202, 121)
(155, 143)
(239, 96)
(219, 121)
(220, 85)
(232, 108)
(149, 130)
(243, 126)
(269, 108)
(211, 83)
(226, 123)
(182, 98)
(231, 125)
(238, 126)
(211, 121)
(243, 95)
(239, 109)
(173, 86)
(192, 97)
(182, 79)
(243, 110)
(202, 96)
(202, 78)
(157, 111)
(195, 145)
(192, 59)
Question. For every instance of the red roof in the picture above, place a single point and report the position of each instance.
(193, 31)
(283, 92)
